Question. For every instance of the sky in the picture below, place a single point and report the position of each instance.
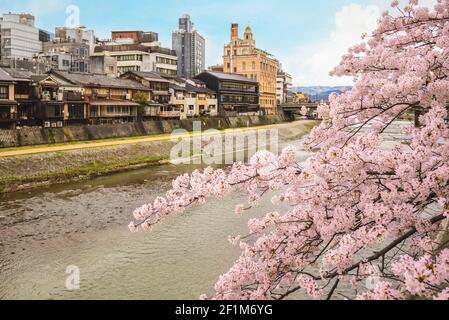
(308, 37)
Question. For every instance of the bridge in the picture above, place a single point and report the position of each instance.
(291, 110)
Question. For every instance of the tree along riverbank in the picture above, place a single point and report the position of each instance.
(43, 169)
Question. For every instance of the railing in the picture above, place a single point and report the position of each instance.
(169, 114)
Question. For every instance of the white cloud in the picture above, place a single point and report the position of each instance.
(311, 63)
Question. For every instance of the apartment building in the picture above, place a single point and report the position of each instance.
(236, 94)
(140, 58)
(190, 47)
(19, 38)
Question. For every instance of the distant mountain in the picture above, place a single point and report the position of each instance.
(318, 93)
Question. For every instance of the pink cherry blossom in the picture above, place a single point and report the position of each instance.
(357, 209)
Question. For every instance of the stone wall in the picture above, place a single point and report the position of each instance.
(38, 136)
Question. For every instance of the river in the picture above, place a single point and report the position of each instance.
(84, 224)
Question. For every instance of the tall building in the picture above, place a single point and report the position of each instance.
(241, 56)
(19, 38)
(190, 48)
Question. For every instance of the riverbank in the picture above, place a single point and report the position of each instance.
(35, 136)
(70, 162)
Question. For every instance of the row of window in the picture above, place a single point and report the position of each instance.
(125, 69)
(130, 57)
(239, 99)
(167, 71)
(166, 61)
(238, 87)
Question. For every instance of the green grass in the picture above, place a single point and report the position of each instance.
(87, 170)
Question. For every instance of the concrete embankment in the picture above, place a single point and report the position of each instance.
(33, 170)
(43, 136)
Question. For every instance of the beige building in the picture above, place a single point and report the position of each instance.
(241, 56)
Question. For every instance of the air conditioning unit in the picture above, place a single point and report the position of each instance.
(47, 124)
(46, 96)
(53, 124)
(59, 124)
(128, 96)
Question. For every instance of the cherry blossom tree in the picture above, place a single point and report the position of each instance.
(357, 209)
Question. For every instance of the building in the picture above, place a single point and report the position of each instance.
(284, 82)
(78, 52)
(8, 104)
(103, 64)
(76, 35)
(190, 48)
(45, 36)
(136, 37)
(236, 94)
(138, 57)
(163, 60)
(158, 105)
(67, 98)
(19, 38)
(54, 60)
(24, 95)
(216, 67)
(241, 56)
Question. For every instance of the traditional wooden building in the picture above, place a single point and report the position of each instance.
(8, 104)
(237, 95)
(103, 99)
(159, 105)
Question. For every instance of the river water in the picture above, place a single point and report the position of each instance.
(84, 224)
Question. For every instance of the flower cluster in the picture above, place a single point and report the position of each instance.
(356, 205)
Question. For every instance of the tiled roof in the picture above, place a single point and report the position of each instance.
(192, 88)
(89, 79)
(4, 76)
(176, 87)
(230, 76)
(19, 74)
(149, 76)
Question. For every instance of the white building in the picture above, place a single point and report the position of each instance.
(283, 82)
(19, 38)
(77, 35)
(136, 57)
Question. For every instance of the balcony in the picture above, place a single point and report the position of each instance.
(73, 96)
(169, 114)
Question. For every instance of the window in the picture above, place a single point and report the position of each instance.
(244, 66)
(191, 107)
(254, 65)
(4, 90)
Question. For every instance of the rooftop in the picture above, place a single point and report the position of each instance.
(230, 76)
(5, 76)
(149, 76)
(90, 79)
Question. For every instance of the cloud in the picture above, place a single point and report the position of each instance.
(311, 63)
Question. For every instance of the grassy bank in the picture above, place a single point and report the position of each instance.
(86, 171)
(47, 167)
